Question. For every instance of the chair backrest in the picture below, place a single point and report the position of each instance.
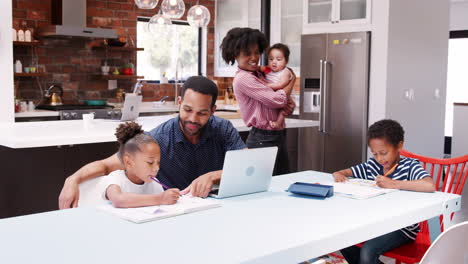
(450, 247)
(91, 192)
(445, 172)
(449, 174)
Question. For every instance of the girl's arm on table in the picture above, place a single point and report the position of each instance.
(122, 199)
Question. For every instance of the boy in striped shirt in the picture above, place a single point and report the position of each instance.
(385, 140)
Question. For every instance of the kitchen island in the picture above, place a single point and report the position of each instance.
(72, 132)
(38, 156)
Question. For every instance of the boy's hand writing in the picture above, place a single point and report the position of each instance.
(385, 182)
(170, 196)
(339, 177)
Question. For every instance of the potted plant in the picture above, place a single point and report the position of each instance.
(164, 78)
(127, 69)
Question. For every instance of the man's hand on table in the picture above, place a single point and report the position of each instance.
(202, 185)
(69, 195)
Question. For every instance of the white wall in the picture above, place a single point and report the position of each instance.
(459, 15)
(418, 52)
(378, 61)
(6, 63)
(409, 51)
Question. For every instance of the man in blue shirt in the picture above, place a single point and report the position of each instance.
(193, 146)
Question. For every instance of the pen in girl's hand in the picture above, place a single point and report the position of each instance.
(162, 184)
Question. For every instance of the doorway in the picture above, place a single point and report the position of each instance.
(457, 81)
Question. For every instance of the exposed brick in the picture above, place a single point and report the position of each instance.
(114, 6)
(19, 13)
(36, 15)
(98, 12)
(101, 21)
(61, 77)
(129, 6)
(129, 23)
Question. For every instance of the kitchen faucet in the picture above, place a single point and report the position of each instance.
(163, 99)
(178, 61)
(137, 87)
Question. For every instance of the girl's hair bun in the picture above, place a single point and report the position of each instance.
(127, 131)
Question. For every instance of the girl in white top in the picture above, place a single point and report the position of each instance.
(277, 75)
(134, 186)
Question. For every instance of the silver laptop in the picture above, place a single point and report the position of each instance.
(246, 171)
(131, 107)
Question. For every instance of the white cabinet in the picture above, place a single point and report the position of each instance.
(231, 14)
(286, 28)
(322, 16)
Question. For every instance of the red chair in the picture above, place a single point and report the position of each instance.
(449, 176)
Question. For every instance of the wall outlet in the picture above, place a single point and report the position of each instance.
(436, 93)
(409, 94)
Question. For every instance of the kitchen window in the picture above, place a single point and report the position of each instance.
(175, 47)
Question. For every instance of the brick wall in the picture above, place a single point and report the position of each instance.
(73, 63)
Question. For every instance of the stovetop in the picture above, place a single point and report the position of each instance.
(72, 107)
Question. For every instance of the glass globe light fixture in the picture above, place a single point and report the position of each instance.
(146, 4)
(173, 8)
(198, 16)
(157, 24)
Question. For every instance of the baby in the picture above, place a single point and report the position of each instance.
(277, 75)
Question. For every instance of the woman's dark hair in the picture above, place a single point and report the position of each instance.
(201, 85)
(387, 129)
(130, 136)
(239, 40)
(281, 47)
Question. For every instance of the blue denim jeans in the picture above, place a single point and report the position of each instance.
(372, 249)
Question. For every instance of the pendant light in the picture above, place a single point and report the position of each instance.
(146, 4)
(198, 16)
(173, 9)
(157, 22)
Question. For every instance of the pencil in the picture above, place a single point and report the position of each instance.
(391, 170)
(162, 184)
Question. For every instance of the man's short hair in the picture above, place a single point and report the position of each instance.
(202, 85)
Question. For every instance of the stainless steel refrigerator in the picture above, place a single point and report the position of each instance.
(334, 90)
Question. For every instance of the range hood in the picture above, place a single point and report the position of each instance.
(69, 20)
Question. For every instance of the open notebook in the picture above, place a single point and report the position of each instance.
(359, 189)
(186, 204)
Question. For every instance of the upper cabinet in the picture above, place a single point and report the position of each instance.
(231, 14)
(322, 16)
(286, 28)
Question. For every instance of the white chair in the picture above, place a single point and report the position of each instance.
(450, 247)
(91, 192)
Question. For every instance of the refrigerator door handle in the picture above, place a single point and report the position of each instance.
(320, 129)
(324, 95)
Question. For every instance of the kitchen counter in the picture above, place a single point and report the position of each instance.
(145, 108)
(57, 133)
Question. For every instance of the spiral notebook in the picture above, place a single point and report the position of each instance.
(359, 189)
(186, 204)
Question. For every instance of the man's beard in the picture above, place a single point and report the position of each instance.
(189, 132)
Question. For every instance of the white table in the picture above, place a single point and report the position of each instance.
(269, 227)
